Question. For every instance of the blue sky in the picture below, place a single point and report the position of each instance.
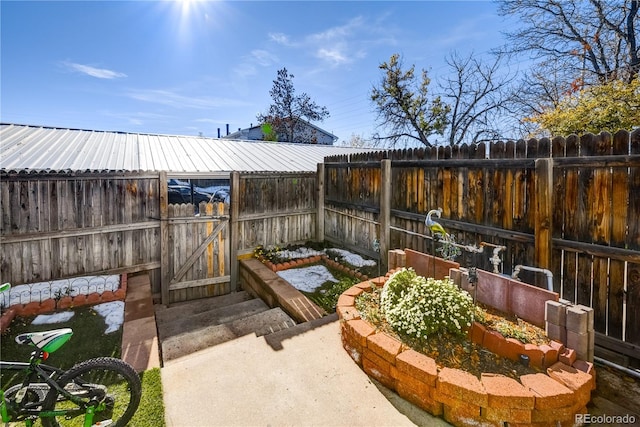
(191, 67)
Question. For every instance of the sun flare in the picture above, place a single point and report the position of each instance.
(185, 5)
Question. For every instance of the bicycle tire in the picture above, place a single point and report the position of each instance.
(123, 392)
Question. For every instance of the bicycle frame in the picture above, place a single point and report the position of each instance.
(16, 409)
(29, 412)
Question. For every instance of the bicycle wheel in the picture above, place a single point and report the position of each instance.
(96, 381)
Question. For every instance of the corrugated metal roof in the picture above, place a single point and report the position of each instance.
(24, 147)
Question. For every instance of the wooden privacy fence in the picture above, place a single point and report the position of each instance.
(58, 225)
(273, 208)
(568, 205)
(65, 224)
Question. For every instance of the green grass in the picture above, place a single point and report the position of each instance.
(151, 410)
(326, 295)
(88, 341)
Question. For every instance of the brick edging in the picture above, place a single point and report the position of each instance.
(49, 306)
(324, 259)
(458, 396)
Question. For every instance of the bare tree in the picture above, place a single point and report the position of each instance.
(356, 141)
(539, 89)
(289, 111)
(404, 106)
(594, 39)
(477, 93)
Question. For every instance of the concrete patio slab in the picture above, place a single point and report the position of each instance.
(309, 381)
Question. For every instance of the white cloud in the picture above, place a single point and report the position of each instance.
(100, 73)
(338, 45)
(341, 44)
(173, 99)
(280, 38)
(263, 57)
(245, 69)
(463, 33)
(206, 120)
(340, 32)
(137, 118)
(335, 55)
(257, 58)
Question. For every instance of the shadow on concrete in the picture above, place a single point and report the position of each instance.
(275, 340)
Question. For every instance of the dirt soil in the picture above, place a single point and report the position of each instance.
(458, 351)
(616, 393)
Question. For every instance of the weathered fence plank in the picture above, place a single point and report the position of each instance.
(633, 242)
(55, 225)
(278, 208)
(196, 266)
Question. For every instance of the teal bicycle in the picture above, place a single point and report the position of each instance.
(104, 391)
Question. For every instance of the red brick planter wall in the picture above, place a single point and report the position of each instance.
(458, 396)
(49, 306)
(540, 356)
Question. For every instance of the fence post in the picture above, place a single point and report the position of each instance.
(543, 212)
(320, 203)
(164, 238)
(234, 231)
(385, 212)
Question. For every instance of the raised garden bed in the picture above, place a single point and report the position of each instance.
(543, 398)
(319, 271)
(51, 305)
(259, 276)
(278, 259)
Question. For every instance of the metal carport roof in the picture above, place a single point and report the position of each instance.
(37, 148)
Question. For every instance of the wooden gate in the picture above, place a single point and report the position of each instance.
(195, 252)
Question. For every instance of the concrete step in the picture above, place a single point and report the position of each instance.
(261, 323)
(169, 314)
(184, 321)
(276, 338)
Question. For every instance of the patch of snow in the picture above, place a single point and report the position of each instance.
(48, 319)
(354, 354)
(351, 258)
(307, 278)
(299, 253)
(113, 313)
(304, 252)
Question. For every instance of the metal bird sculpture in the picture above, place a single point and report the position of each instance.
(434, 226)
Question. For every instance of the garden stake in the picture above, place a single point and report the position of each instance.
(436, 230)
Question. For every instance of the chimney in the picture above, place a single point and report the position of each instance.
(227, 128)
(218, 132)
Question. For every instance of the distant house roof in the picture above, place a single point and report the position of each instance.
(255, 133)
(24, 147)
